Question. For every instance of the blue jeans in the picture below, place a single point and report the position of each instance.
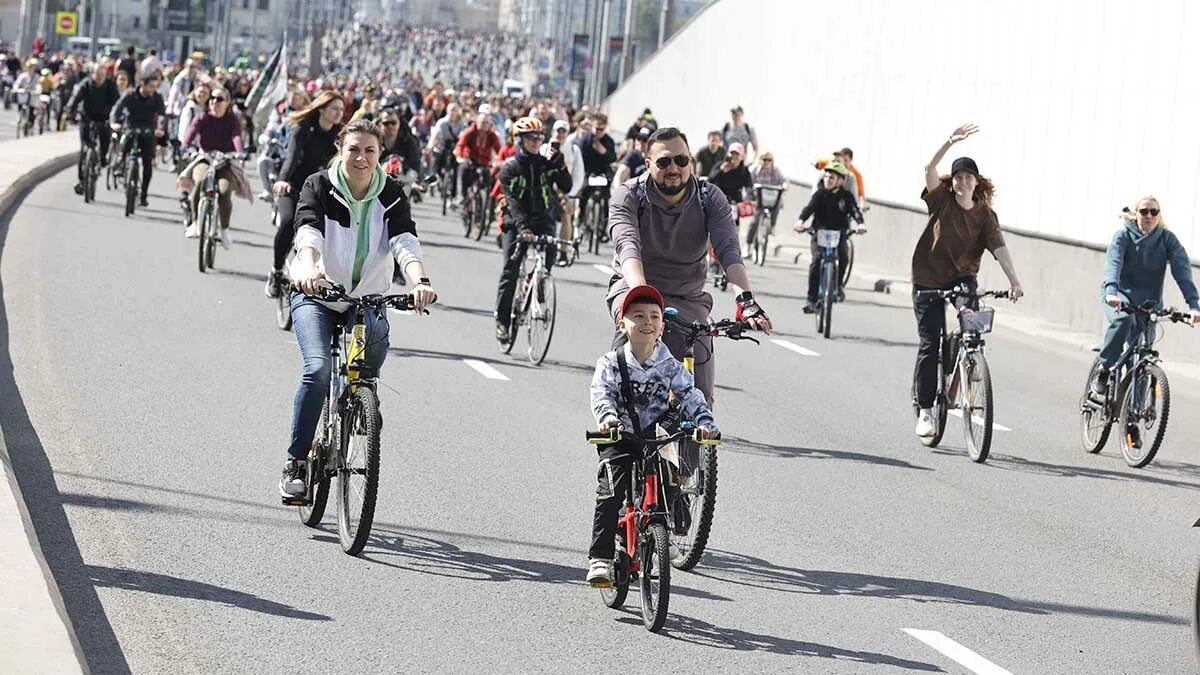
(1123, 329)
(313, 324)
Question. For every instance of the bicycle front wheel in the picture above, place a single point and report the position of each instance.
(132, 181)
(542, 310)
(1095, 420)
(700, 503)
(976, 383)
(829, 273)
(655, 579)
(358, 470)
(202, 240)
(1144, 411)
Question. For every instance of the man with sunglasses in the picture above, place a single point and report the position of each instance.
(661, 224)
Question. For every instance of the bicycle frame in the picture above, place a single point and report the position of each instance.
(639, 516)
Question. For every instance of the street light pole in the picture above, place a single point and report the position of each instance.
(626, 43)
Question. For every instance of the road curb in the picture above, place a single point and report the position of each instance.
(9, 200)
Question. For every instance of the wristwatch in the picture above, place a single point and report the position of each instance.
(425, 280)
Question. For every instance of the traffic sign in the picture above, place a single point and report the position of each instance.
(66, 23)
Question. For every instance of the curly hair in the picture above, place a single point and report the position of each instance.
(985, 190)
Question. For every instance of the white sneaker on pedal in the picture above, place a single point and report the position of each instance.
(600, 573)
(192, 232)
(291, 483)
(925, 427)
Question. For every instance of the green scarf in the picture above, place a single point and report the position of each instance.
(360, 211)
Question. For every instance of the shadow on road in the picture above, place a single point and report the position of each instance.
(742, 445)
(745, 570)
(473, 311)
(877, 341)
(705, 634)
(1011, 463)
(162, 584)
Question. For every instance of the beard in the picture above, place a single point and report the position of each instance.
(670, 190)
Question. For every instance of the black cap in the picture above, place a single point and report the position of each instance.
(964, 164)
(736, 109)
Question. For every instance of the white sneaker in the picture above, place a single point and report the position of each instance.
(192, 232)
(226, 238)
(600, 573)
(925, 427)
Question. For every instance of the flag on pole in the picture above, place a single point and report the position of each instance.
(270, 88)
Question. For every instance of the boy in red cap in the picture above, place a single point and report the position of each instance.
(653, 374)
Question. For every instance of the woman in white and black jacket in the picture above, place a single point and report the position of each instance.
(351, 224)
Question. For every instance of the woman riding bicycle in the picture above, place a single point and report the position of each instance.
(961, 226)
(350, 203)
(1134, 268)
(217, 130)
(314, 130)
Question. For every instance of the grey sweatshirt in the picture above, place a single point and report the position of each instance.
(671, 240)
(651, 382)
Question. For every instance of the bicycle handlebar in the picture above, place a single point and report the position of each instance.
(1171, 313)
(734, 330)
(618, 434)
(543, 240)
(337, 293)
(961, 292)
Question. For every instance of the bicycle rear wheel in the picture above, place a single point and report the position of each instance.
(358, 470)
(941, 406)
(977, 406)
(1095, 421)
(701, 504)
(614, 596)
(655, 580)
(1144, 411)
(829, 274)
(318, 456)
(542, 310)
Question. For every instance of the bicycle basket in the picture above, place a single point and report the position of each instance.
(597, 181)
(745, 209)
(768, 197)
(829, 238)
(980, 321)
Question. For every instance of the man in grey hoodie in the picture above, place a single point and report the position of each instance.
(661, 224)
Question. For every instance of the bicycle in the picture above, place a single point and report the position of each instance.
(91, 160)
(643, 543)
(767, 198)
(43, 113)
(827, 277)
(477, 196)
(535, 304)
(346, 444)
(964, 347)
(25, 112)
(207, 217)
(593, 222)
(697, 465)
(1138, 396)
(446, 183)
(112, 176)
(133, 166)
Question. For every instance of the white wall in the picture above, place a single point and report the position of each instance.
(1084, 106)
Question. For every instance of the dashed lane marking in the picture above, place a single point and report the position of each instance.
(793, 347)
(979, 420)
(956, 652)
(485, 370)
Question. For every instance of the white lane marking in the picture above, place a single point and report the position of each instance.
(956, 652)
(485, 370)
(793, 347)
(979, 420)
(605, 269)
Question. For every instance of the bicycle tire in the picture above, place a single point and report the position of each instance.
(520, 310)
(655, 579)
(468, 215)
(849, 262)
(485, 223)
(1160, 389)
(445, 198)
(202, 239)
(283, 310)
(89, 180)
(829, 271)
(1094, 436)
(132, 179)
(941, 406)
(212, 227)
(702, 510)
(539, 330)
(614, 596)
(975, 370)
(318, 455)
(478, 213)
(362, 413)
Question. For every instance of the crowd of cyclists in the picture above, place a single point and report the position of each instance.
(397, 108)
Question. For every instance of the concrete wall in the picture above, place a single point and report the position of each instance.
(1083, 107)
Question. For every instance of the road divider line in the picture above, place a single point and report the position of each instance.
(979, 420)
(793, 347)
(605, 269)
(956, 652)
(485, 370)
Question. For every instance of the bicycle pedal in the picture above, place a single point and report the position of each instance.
(601, 584)
(295, 501)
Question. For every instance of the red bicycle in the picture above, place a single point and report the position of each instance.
(643, 542)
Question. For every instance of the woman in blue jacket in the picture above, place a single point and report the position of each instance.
(1134, 269)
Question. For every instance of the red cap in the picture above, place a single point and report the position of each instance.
(641, 293)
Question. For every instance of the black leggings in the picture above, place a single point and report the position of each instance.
(287, 226)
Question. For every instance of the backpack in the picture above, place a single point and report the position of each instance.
(725, 131)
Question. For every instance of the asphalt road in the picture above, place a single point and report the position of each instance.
(148, 406)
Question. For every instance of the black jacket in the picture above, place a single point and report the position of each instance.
(309, 149)
(832, 210)
(137, 111)
(318, 203)
(408, 150)
(732, 182)
(97, 99)
(527, 181)
(595, 163)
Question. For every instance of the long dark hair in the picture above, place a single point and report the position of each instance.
(985, 190)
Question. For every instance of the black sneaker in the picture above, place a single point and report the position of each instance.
(291, 483)
(501, 333)
(79, 188)
(143, 201)
(810, 308)
(274, 284)
(1099, 388)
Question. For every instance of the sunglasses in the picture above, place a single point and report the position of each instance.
(389, 123)
(1148, 212)
(217, 99)
(680, 161)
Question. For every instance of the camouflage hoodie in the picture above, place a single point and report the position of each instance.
(651, 382)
